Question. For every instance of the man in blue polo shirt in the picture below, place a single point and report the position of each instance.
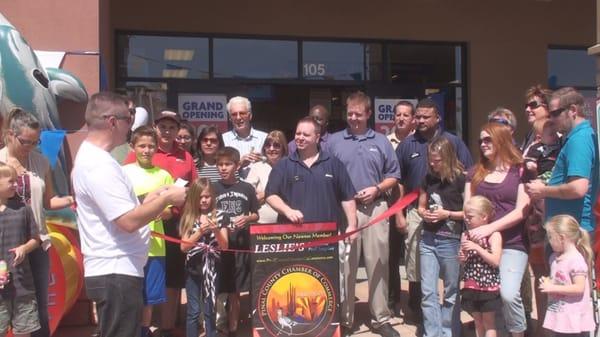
(373, 169)
(412, 157)
(311, 185)
(573, 185)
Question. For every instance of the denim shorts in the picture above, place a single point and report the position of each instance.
(21, 313)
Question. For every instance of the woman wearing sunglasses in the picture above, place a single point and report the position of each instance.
(274, 148)
(497, 176)
(536, 108)
(209, 142)
(34, 188)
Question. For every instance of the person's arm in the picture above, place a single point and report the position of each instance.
(401, 225)
(189, 237)
(51, 201)
(282, 208)
(493, 257)
(576, 288)
(222, 238)
(369, 194)
(24, 249)
(422, 204)
(141, 215)
(509, 220)
(575, 188)
(349, 207)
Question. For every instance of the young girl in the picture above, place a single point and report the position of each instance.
(481, 291)
(569, 311)
(202, 223)
(440, 206)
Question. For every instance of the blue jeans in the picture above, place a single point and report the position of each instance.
(439, 259)
(118, 303)
(196, 304)
(512, 268)
(39, 260)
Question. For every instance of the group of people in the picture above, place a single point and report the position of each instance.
(483, 223)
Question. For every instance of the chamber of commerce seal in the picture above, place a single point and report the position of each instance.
(296, 300)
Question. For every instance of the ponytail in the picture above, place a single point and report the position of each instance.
(584, 247)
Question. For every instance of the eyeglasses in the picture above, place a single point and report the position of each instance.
(26, 142)
(240, 114)
(275, 145)
(557, 112)
(533, 105)
(485, 140)
(209, 140)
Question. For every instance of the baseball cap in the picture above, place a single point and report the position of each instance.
(167, 114)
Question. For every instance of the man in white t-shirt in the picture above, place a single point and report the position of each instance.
(111, 221)
(243, 137)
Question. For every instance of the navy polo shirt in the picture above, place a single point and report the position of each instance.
(316, 191)
(369, 158)
(412, 157)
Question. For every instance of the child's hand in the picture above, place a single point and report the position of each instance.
(240, 221)
(546, 284)
(462, 257)
(470, 245)
(19, 254)
(439, 214)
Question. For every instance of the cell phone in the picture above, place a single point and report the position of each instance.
(433, 207)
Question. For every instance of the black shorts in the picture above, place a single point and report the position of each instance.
(480, 301)
(174, 259)
(234, 267)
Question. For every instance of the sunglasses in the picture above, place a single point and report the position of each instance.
(557, 112)
(26, 142)
(485, 140)
(500, 121)
(129, 118)
(275, 145)
(209, 140)
(533, 105)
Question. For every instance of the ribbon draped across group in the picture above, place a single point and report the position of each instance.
(395, 208)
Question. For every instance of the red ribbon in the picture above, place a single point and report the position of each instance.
(395, 208)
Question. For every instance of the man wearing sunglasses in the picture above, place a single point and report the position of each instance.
(573, 185)
(112, 223)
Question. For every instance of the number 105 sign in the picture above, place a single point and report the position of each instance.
(314, 69)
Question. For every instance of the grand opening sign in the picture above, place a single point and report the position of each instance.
(204, 109)
(295, 289)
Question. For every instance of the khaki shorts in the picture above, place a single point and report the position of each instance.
(21, 313)
(411, 242)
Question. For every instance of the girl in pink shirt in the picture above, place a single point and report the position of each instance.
(569, 311)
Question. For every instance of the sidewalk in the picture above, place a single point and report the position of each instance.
(362, 316)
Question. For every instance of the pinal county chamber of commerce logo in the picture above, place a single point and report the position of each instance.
(296, 300)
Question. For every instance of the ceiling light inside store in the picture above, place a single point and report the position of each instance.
(179, 54)
(175, 73)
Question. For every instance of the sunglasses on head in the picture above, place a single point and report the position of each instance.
(557, 112)
(500, 121)
(533, 105)
(485, 140)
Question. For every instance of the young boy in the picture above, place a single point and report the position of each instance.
(146, 178)
(20, 236)
(541, 156)
(238, 200)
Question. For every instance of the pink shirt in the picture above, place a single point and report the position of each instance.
(569, 313)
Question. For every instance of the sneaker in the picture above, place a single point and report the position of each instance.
(386, 330)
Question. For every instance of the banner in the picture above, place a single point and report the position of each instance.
(295, 289)
(384, 113)
(204, 109)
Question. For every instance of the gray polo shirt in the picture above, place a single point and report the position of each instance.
(369, 158)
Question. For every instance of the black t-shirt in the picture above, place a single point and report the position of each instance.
(447, 195)
(235, 200)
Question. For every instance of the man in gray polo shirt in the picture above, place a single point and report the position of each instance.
(373, 169)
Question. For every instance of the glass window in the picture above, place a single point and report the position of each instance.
(150, 95)
(571, 67)
(349, 61)
(425, 63)
(162, 56)
(245, 58)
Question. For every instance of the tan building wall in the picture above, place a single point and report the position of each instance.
(506, 40)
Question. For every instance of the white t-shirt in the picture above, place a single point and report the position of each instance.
(103, 193)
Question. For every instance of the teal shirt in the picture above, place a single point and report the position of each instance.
(577, 158)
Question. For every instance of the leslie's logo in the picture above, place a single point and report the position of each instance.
(296, 300)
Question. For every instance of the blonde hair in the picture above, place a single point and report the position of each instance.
(191, 210)
(451, 167)
(569, 227)
(482, 205)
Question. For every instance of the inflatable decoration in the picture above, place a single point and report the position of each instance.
(25, 83)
